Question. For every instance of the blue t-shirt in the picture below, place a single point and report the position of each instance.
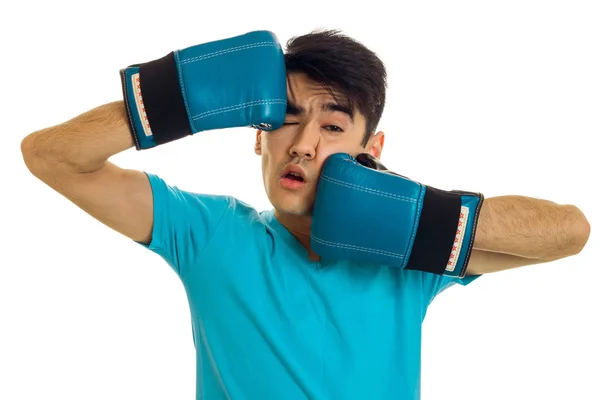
(268, 323)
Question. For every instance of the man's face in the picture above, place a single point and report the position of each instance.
(315, 127)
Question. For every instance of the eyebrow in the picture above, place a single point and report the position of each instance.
(295, 109)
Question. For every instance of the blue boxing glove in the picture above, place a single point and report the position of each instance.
(364, 212)
(234, 82)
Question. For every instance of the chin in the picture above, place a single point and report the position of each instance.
(293, 205)
(298, 210)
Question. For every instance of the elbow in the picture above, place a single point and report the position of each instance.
(34, 157)
(580, 230)
(572, 237)
(26, 145)
(27, 152)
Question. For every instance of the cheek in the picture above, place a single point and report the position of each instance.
(273, 152)
(343, 145)
(273, 143)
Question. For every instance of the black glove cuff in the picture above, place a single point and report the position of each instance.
(163, 99)
(436, 232)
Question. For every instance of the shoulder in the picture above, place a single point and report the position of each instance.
(174, 200)
(184, 214)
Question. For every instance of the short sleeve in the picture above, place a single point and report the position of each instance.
(434, 284)
(183, 223)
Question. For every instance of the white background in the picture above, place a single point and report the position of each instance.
(498, 97)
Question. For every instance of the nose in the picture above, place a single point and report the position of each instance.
(306, 142)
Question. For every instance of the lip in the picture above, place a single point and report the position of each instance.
(293, 184)
(295, 169)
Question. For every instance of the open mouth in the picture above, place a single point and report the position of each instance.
(293, 176)
(292, 180)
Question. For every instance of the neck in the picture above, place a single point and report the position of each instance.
(299, 227)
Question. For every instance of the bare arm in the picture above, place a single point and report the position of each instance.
(515, 231)
(72, 158)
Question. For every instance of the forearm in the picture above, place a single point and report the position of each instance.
(83, 143)
(530, 228)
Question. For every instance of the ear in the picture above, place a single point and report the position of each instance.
(375, 144)
(257, 143)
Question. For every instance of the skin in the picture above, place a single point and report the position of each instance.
(306, 140)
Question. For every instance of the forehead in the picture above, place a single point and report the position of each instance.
(308, 96)
(300, 88)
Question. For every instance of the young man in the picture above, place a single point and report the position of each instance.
(273, 317)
